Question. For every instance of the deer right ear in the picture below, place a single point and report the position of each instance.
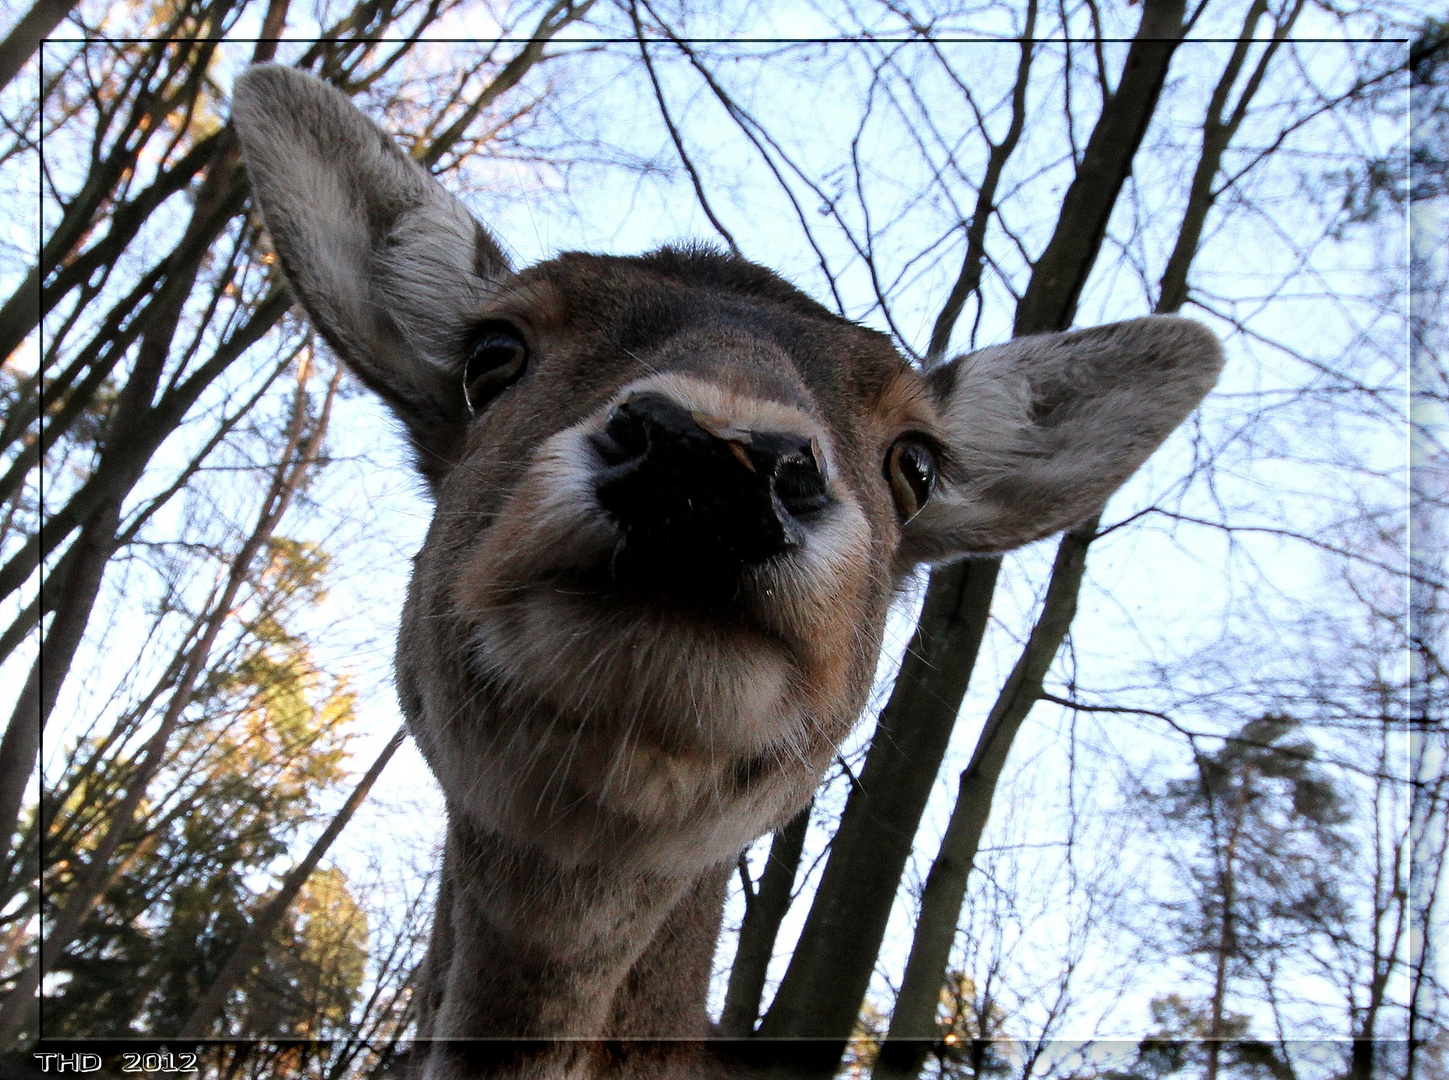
(389, 265)
(1041, 430)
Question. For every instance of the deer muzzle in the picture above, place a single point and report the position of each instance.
(696, 496)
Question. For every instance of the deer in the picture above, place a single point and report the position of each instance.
(674, 500)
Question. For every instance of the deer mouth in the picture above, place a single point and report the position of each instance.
(615, 716)
(629, 646)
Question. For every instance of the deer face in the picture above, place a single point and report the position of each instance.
(667, 545)
(674, 495)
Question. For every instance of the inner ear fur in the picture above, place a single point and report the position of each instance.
(388, 264)
(1041, 430)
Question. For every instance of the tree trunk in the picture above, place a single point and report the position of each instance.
(1217, 133)
(913, 1018)
(968, 281)
(1227, 885)
(913, 1021)
(827, 977)
(33, 28)
(1050, 300)
(763, 915)
(292, 467)
(830, 971)
(81, 585)
(136, 428)
(560, 14)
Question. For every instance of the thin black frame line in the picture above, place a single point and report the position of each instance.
(850, 40)
(40, 630)
(853, 40)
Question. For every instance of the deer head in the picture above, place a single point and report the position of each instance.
(674, 495)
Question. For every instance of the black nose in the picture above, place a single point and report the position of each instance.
(693, 494)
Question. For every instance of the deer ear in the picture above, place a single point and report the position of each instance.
(390, 267)
(1041, 430)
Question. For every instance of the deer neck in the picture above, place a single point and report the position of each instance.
(524, 947)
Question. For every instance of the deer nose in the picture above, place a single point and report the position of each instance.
(687, 486)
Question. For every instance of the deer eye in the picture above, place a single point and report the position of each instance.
(910, 469)
(497, 355)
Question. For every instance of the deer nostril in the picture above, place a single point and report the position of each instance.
(797, 472)
(625, 434)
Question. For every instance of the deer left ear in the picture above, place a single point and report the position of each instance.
(390, 267)
(1041, 430)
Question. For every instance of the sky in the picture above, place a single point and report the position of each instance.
(1168, 605)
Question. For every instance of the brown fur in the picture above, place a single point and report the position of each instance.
(605, 748)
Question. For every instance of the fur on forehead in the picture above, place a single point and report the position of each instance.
(692, 266)
(636, 303)
(659, 290)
